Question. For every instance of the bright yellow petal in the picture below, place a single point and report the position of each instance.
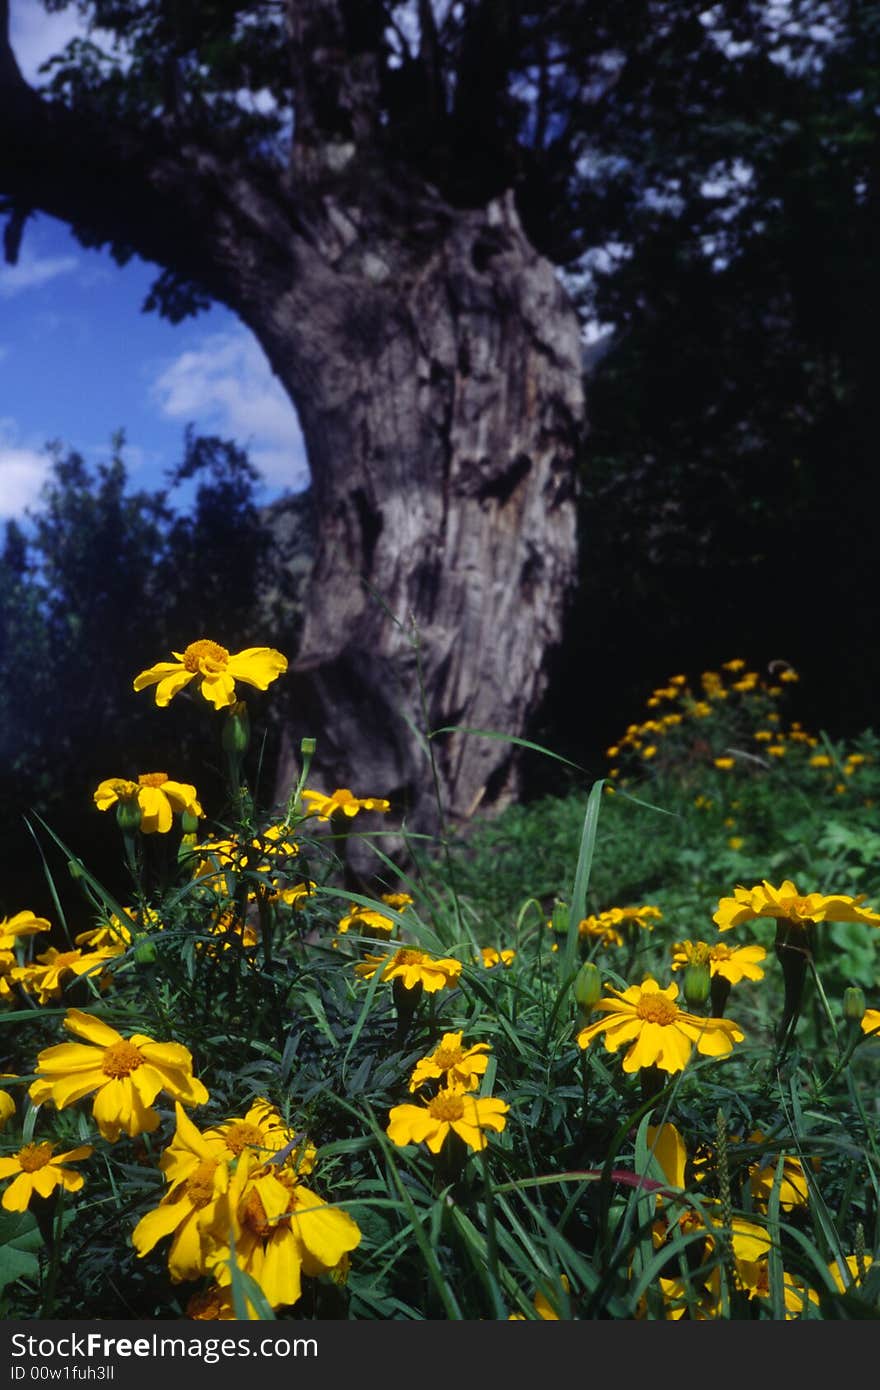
(257, 666)
(326, 1232)
(64, 1058)
(410, 1124)
(156, 810)
(155, 1225)
(646, 1048)
(94, 1030)
(670, 1152)
(18, 1194)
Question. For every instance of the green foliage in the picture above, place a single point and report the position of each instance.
(244, 948)
(101, 574)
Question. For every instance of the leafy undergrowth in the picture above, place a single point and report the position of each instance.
(609, 1056)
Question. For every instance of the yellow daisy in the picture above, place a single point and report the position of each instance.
(53, 969)
(156, 795)
(412, 968)
(281, 1231)
(22, 924)
(214, 669)
(657, 1032)
(452, 1110)
(452, 1064)
(342, 800)
(126, 1075)
(786, 903)
(732, 963)
(35, 1172)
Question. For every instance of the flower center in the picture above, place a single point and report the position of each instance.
(446, 1057)
(447, 1106)
(798, 910)
(721, 952)
(204, 650)
(200, 1187)
(656, 1008)
(243, 1136)
(34, 1156)
(125, 790)
(121, 1059)
(255, 1218)
(405, 957)
(152, 779)
(65, 959)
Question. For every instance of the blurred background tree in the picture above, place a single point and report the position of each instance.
(705, 181)
(103, 582)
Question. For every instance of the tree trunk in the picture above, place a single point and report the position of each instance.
(435, 363)
(441, 402)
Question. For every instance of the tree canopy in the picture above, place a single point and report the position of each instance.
(703, 177)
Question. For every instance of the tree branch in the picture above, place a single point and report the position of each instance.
(136, 189)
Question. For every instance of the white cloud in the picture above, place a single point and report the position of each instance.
(225, 386)
(36, 35)
(33, 271)
(22, 474)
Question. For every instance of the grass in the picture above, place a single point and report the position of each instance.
(738, 1186)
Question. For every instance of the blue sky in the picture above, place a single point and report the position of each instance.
(78, 359)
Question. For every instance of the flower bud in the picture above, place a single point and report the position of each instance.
(236, 730)
(697, 983)
(854, 1004)
(128, 815)
(307, 747)
(587, 987)
(189, 822)
(561, 917)
(145, 953)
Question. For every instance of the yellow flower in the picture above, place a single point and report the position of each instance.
(732, 963)
(7, 1104)
(11, 974)
(397, 900)
(870, 1023)
(281, 1231)
(489, 956)
(724, 764)
(360, 918)
(116, 931)
(197, 1167)
(793, 1189)
(600, 928)
(189, 1210)
(47, 978)
(412, 968)
(735, 664)
(36, 1173)
(341, 800)
(452, 1064)
(156, 795)
(786, 903)
(232, 931)
(735, 842)
(776, 750)
(659, 1033)
(22, 924)
(543, 1307)
(215, 670)
(214, 1304)
(451, 1110)
(126, 1074)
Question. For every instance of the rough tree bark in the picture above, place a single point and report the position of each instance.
(435, 364)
